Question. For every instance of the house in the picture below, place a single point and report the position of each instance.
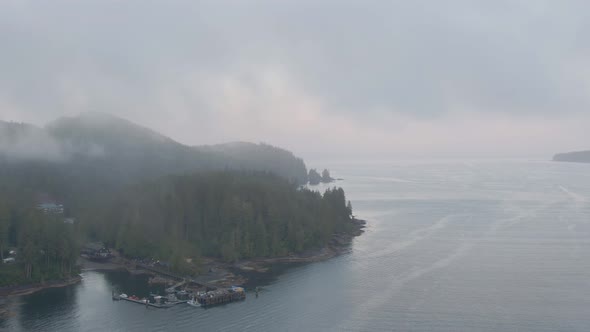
(51, 208)
(8, 260)
(96, 251)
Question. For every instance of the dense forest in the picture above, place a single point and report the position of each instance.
(231, 215)
(46, 248)
(150, 196)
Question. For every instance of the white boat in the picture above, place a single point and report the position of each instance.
(194, 303)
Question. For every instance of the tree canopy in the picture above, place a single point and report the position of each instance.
(231, 215)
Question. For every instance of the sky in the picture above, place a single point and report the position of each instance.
(332, 78)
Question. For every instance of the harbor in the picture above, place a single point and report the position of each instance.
(198, 299)
(185, 290)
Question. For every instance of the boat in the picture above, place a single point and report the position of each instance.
(193, 303)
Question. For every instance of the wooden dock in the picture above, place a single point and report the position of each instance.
(147, 303)
(221, 296)
(155, 301)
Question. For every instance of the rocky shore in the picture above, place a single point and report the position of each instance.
(32, 288)
(223, 274)
(219, 274)
(339, 245)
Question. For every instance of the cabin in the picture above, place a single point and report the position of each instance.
(51, 208)
(96, 251)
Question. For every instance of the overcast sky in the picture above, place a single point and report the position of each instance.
(335, 78)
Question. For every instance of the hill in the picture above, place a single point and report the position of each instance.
(578, 156)
(151, 196)
(86, 160)
(72, 156)
(262, 157)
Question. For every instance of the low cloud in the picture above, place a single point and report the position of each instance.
(381, 78)
(19, 142)
(23, 142)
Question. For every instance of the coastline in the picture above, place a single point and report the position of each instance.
(220, 274)
(20, 290)
(339, 245)
(225, 274)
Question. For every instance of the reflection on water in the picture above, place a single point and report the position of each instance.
(450, 246)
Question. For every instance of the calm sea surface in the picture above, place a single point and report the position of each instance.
(450, 246)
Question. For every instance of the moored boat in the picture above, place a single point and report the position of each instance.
(193, 302)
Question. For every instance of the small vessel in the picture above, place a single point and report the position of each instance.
(193, 302)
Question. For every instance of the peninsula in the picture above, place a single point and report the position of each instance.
(99, 178)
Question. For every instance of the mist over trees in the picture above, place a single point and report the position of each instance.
(95, 155)
(263, 157)
(150, 196)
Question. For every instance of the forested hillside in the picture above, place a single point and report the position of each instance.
(263, 157)
(100, 146)
(46, 247)
(231, 215)
(152, 197)
(84, 160)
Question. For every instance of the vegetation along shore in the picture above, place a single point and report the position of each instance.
(205, 212)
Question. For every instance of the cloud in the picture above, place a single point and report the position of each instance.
(296, 73)
(24, 142)
(20, 142)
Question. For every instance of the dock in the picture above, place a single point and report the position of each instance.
(146, 303)
(221, 296)
(153, 301)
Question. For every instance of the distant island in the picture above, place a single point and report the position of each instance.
(577, 156)
(101, 179)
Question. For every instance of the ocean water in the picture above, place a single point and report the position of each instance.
(450, 246)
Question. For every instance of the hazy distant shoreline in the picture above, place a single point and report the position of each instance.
(574, 157)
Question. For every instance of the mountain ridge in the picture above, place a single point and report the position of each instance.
(71, 157)
(127, 147)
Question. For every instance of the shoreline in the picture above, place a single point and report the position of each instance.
(221, 274)
(340, 244)
(20, 290)
(225, 274)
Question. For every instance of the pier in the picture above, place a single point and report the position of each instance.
(221, 296)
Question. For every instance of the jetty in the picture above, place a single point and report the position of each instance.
(203, 299)
(154, 301)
